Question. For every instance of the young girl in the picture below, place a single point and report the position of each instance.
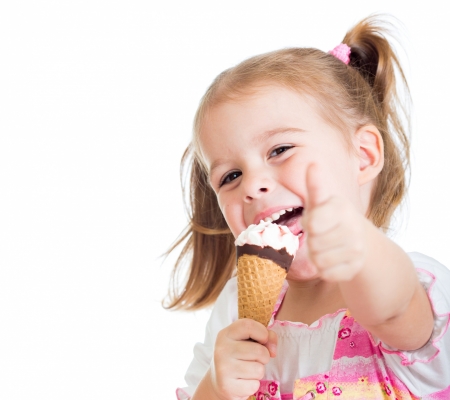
(316, 142)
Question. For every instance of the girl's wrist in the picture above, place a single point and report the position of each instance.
(205, 389)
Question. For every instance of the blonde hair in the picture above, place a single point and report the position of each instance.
(347, 96)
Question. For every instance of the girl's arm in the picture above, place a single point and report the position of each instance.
(377, 279)
(204, 390)
(386, 297)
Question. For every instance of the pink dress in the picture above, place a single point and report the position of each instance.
(335, 357)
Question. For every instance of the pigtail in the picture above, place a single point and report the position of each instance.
(374, 58)
(208, 249)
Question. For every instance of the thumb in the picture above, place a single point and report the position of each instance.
(272, 343)
(315, 187)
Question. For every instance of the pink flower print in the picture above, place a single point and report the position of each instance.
(320, 387)
(325, 376)
(336, 391)
(352, 344)
(344, 333)
(260, 396)
(273, 387)
(386, 388)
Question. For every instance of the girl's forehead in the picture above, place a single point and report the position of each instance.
(251, 119)
(262, 109)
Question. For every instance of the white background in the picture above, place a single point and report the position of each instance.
(97, 101)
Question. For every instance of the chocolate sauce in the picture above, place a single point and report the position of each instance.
(280, 257)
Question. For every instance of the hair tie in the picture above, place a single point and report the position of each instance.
(342, 52)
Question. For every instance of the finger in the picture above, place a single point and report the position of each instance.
(323, 218)
(337, 264)
(315, 186)
(272, 344)
(326, 259)
(246, 328)
(325, 238)
(340, 273)
(247, 369)
(251, 351)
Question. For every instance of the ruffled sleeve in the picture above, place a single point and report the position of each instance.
(222, 315)
(427, 369)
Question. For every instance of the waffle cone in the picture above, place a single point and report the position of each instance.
(259, 284)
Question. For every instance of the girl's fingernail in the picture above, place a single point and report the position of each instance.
(273, 350)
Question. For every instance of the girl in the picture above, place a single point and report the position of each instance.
(317, 142)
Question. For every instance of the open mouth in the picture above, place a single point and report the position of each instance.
(288, 217)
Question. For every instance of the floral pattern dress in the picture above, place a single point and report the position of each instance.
(336, 358)
(357, 372)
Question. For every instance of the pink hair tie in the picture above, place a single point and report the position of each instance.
(342, 52)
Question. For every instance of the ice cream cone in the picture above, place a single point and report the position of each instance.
(259, 284)
(264, 255)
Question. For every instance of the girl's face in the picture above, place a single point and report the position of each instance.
(257, 150)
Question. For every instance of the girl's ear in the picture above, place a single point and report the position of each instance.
(371, 154)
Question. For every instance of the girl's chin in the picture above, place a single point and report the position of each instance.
(293, 276)
(302, 268)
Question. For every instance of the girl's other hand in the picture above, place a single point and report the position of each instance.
(238, 363)
(335, 231)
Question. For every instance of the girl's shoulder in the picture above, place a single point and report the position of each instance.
(435, 278)
(422, 261)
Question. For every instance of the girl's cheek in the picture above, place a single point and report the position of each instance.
(232, 218)
(223, 206)
(293, 172)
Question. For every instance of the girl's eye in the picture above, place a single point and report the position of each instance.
(279, 150)
(230, 177)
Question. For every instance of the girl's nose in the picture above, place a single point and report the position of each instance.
(255, 187)
(258, 194)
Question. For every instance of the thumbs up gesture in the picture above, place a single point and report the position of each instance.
(335, 231)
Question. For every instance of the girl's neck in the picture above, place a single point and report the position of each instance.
(307, 301)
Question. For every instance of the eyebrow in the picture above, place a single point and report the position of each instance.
(278, 131)
(264, 136)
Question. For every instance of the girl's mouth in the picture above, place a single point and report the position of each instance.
(290, 218)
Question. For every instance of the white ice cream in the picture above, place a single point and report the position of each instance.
(267, 234)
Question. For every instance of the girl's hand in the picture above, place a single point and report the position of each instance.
(335, 231)
(238, 363)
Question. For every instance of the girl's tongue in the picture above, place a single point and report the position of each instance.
(293, 225)
(292, 222)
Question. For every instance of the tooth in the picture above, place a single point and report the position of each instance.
(282, 212)
(289, 209)
(275, 216)
(268, 219)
